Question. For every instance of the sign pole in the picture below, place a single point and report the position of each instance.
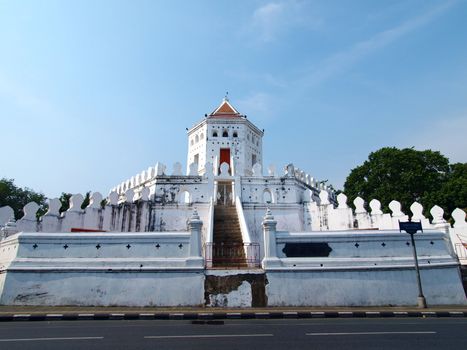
(411, 228)
(421, 297)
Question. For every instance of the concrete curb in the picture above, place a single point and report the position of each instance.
(209, 317)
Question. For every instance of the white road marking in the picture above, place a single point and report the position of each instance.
(47, 339)
(207, 336)
(401, 313)
(371, 333)
(456, 313)
(85, 315)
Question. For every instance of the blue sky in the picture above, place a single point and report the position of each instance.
(94, 92)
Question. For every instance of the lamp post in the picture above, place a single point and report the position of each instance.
(412, 228)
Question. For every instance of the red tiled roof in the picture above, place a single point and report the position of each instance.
(225, 110)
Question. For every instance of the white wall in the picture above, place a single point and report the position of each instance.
(441, 286)
(134, 288)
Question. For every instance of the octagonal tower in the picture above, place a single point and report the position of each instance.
(225, 136)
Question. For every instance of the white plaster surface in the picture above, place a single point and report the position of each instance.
(6, 213)
(241, 297)
(363, 288)
(104, 288)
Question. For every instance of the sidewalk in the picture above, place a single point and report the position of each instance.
(42, 313)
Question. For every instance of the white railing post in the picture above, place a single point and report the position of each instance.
(269, 232)
(195, 224)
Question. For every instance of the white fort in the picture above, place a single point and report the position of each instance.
(227, 233)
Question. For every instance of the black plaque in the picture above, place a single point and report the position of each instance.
(306, 250)
(411, 227)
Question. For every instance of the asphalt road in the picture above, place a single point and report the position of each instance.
(374, 333)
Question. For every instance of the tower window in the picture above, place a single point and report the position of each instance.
(196, 138)
(225, 133)
(214, 133)
(235, 134)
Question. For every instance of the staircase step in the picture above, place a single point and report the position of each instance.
(227, 232)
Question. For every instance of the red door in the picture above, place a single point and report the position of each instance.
(225, 157)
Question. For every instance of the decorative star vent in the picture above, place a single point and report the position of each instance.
(35, 246)
(431, 242)
(158, 245)
(180, 246)
(383, 244)
(357, 245)
(65, 246)
(98, 246)
(407, 244)
(128, 246)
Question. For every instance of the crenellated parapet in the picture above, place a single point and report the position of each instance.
(131, 212)
(342, 217)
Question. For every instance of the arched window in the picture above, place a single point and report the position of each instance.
(184, 197)
(248, 137)
(267, 197)
(235, 134)
(201, 137)
(214, 133)
(196, 138)
(192, 142)
(225, 133)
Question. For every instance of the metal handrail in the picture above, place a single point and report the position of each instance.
(232, 255)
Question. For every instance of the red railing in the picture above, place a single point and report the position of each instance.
(232, 255)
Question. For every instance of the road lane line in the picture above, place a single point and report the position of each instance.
(207, 336)
(370, 333)
(47, 339)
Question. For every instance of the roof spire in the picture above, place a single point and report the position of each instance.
(225, 109)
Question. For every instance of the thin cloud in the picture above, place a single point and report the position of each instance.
(266, 19)
(258, 103)
(272, 19)
(342, 61)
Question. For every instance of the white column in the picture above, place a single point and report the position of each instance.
(269, 231)
(195, 224)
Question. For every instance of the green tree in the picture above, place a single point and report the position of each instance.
(408, 175)
(65, 200)
(452, 193)
(17, 197)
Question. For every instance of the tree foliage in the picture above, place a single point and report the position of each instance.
(17, 197)
(408, 175)
(65, 200)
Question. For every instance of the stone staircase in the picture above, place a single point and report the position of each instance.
(228, 251)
